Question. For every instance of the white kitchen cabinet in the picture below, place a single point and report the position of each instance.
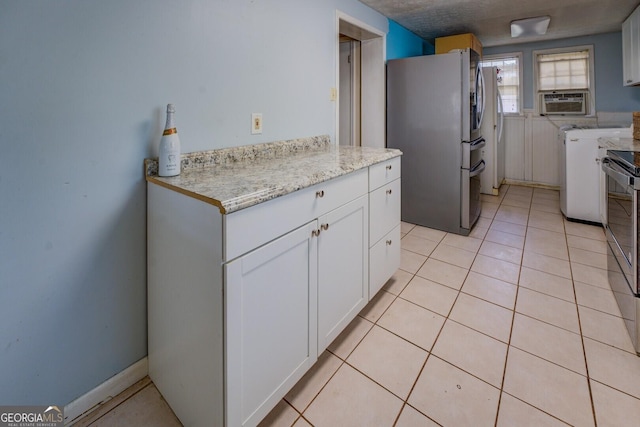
(241, 304)
(631, 49)
(271, 330)
(343, 268)
(384, 223)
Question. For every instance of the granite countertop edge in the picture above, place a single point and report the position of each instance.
(623, 144)
(240, 177)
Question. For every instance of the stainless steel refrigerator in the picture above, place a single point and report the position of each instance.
(434, 114)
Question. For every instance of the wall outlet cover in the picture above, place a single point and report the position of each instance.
(256, 123)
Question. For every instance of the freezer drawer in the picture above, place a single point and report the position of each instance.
(471, 203)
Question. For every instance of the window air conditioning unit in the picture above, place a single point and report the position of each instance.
(570, 102)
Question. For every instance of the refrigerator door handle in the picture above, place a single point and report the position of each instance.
(501, 118)
(478, 169)
(480, 91)
(465, 199)
(477, 144)
(468, 148)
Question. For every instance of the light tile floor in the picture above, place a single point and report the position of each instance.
(515, 325)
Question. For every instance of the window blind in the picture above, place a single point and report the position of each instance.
(562, 71)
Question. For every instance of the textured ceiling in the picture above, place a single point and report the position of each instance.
(489, 19)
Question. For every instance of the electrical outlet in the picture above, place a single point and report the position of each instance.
(256, 123)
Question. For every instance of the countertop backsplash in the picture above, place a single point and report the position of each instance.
(203, 159)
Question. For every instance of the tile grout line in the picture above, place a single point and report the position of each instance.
(584, 350)
(446, 318)
(509, 346)
(513, 315)
(430, 351)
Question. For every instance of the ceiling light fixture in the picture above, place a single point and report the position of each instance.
(530, 26)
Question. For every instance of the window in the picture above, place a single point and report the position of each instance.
(566, 69)
(509, 79)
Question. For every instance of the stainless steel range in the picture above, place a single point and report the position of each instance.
(623, 185)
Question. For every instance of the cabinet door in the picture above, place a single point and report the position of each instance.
(635, 48)
(271, 330)
(631, 49)
(626, 52)
(343, 268)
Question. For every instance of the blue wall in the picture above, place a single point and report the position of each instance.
(611, 95)
(84, 89)
(402, 43)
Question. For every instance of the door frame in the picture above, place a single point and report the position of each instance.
(372, 78)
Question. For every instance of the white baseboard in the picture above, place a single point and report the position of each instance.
(107, 390)
(530, 184)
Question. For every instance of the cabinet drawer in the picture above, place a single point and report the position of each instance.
(252, 227)
(383, 173)
(384, 260)
(384, 210)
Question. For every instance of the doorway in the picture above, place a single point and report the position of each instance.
(349, 92)
(360, 79)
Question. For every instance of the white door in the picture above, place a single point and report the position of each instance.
(271, 330)
(343, 265)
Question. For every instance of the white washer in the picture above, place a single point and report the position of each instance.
(582, 191)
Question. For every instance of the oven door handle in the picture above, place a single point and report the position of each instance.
(477, 170)
(620, 177)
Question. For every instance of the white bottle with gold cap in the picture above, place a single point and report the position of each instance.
(169, 153)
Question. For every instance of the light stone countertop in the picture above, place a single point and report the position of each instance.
(237, 178)
(624, 144)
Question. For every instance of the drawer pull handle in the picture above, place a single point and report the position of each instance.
(320, 193)
(388, 167)
(324, 227)
(389, 191)
(389, 242)
(315, 233)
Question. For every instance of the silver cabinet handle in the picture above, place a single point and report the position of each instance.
(320, 193)
(389, 242)
(315, 233)
(388, 167)
(389, 191)
(324, 227)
